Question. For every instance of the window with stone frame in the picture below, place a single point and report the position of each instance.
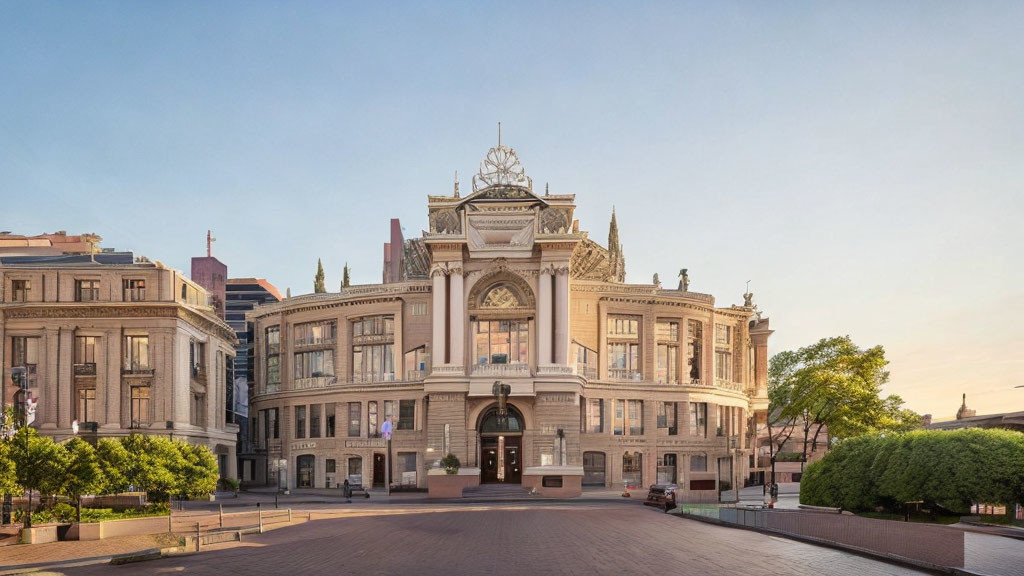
(273, 351)
(314, 364)
(667, 335)
(20, 290)
(87, 290)
(133, 289)
(667, 414)
(629, 418)
(136, 353)
(139, 405)
(300, 422)
(355, 415)
(501, 341)
(372, 424)
(694, 345)
(699, 419)
(314, 420)
(406, 415)
(84, 374)
(723, 352)
(373, 349)
(416, 363)
(592, 416)
(699, 462)
(329, 419)
(624, 352)
(320, 333)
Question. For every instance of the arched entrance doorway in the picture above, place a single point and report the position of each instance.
(501, 446)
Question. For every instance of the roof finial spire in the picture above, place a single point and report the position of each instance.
(456, 183)
(547, 189)
(499, 133)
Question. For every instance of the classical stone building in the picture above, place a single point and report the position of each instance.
(508, 337)
(118, 345)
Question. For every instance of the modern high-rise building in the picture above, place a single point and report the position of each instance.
(508, 337)
(242, 295)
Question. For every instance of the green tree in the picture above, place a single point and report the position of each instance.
(8, 478)
(836, 385)
(318, 280)
(38, 464)
(82, 473)
(113, 460)
(150, 464)
(196, 471)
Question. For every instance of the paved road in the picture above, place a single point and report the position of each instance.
(513, 539)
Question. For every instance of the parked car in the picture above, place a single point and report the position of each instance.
(662, 496)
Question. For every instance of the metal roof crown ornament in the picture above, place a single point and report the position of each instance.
(501, 167)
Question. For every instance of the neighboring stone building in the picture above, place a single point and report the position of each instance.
(968, 418)
(119, 345)
(244, 294)
(56, 244)
(505, 304)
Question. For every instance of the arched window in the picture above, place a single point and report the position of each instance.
(492, 422)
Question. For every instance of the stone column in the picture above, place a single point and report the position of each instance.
(457, 309)
(46, 412)
(439, 314)
(562, 316)
(113, 395)
(544, 317)
(65, 378)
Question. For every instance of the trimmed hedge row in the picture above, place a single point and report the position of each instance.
(951, 469)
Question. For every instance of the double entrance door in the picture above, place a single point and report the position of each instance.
(500, 459)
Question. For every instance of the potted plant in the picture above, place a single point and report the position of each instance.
(451, 464)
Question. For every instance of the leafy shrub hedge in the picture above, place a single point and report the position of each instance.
(950, 469)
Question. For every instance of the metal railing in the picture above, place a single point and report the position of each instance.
(624, 374)
(588, 371)
(85, 369)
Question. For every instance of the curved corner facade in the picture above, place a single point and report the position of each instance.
(507, 337)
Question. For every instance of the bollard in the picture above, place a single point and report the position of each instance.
(275, 501)
(289, 515)
(197, 536)
(221, 510)
(260, 512)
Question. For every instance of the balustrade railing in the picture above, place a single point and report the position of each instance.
(507, 370)
(623, 374)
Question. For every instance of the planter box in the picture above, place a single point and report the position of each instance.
(39, 534)
(440, 484)
(554, 481)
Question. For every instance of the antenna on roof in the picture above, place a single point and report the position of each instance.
(499, 133)
(209, 243)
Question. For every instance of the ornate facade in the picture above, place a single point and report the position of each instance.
(605, 383)
(115, 346)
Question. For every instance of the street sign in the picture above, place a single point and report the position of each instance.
(385, 429)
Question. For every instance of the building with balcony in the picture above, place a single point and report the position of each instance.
(117, 344)
(507, 336)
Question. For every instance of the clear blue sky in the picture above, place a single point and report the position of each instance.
(862, 163)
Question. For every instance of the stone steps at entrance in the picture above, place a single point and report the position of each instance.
(495, 491)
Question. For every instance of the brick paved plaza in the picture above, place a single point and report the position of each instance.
(620, 538)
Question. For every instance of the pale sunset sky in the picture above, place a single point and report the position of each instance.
(861, 163)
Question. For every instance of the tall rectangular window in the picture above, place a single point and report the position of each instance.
(406, 415)
(85, 355)
(618, 424)
(86, 405)
(133, 289)
(372, 429)
(699, 419)
(667, 334)
(139, 406)
(694, 336)
(373, 354)
(723, 365)
(416, 363)
(355, 414)
(136, 353)
(272, 425)
(273, 351)
(329, 409)
(624, 360)
(20, 290)
(314, 420)
(636, 417)
(721, 420)
(87, 290)
(389, 410)
(586, 361)
(593, 416)
(667, 416)
(300, 421)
